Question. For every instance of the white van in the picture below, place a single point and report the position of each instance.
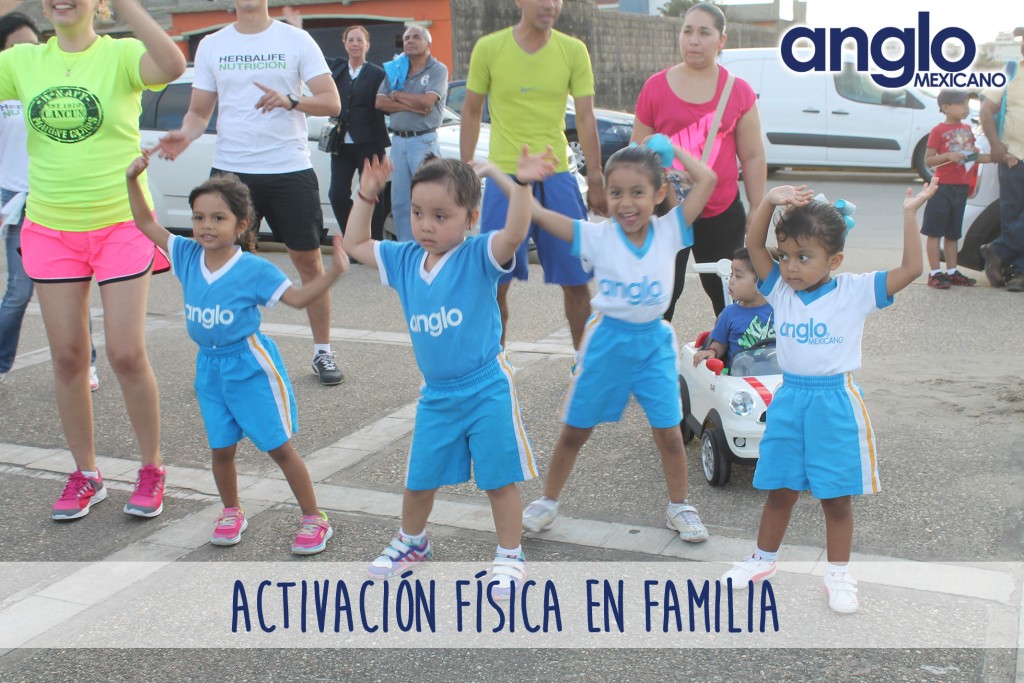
(835, 119)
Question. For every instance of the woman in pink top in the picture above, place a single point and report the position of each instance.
(680, 102)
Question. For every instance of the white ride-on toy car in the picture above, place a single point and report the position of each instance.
(726, 408)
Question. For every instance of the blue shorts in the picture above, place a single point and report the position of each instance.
(818, 437)
(618, 358)
(243, 390)
(560, 193)
(473, 419)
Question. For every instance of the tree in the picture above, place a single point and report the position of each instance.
(676, 8)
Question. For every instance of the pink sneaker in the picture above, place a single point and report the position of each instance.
(229, 527)
(148, 498)
(314, 532)
(80, 494)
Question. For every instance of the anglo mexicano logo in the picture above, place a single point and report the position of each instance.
(65, 114)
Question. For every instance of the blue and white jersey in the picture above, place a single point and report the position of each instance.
(222, 307)
(634, 284)
(451, 311)
(820, 332)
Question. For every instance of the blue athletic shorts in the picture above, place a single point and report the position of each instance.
(618, 358)
(560, 193)
(473, 419)
(243, 390)
(818, 437)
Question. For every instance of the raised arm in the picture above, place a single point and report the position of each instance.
(197, 118)
(558, 225)
(704, 181)
(163, 61)
(372, 179)
(141, 213)
(910, 268)
(529, 169)
(760, 221)
(302, 296)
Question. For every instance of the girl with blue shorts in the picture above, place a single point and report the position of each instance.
(241, 382)
(818, 436)
(628, 348)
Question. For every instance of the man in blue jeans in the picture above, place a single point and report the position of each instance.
(416, 106)
(1004, 256)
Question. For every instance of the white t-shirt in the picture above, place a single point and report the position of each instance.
(633, 283)
(819, 333)
(230, 63)
(13, 149)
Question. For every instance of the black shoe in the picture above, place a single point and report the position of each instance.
(327, 370)
(1015, 283)
(993, 266)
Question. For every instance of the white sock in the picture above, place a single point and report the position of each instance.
(936, 271)
(510, 552)
(411, 539)
(552, 504)
(764, 555)
(837, 569)
(950, 271)
(91, 474)
(321, 348)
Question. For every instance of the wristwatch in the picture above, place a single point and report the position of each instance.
(294, 100)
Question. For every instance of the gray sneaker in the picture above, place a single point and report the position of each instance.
(327, 370)
(540, 515)
(682, 517)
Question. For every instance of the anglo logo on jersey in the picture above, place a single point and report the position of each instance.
(436, 323)
(812, 332)
(643, 293)
(209, 317)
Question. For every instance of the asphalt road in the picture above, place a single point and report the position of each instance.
(951, 436)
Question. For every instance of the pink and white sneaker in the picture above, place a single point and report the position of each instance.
(314, 532)
(229, 527)
(148, 497)
(80, 494)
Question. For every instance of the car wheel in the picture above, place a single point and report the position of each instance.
(984, 229)
(714, 458)
(577, 150)
(922, 169)
(684, 397)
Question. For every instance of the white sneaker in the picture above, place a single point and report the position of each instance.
(94, 378)
(682, 517)
(842, 592)
(539, 515)
(749, 570)
(3, 376)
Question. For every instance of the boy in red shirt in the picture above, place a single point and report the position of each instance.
(950, 149)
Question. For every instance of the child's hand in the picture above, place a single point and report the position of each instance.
(702, 356)
(374, 176)
(484, 169)
(341, 261)
(533, 167)
(140, 164)
(912, 203)
(787, 195)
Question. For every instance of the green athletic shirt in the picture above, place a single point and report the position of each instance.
(82, 116)
(528, 92)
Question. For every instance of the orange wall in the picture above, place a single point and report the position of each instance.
(436, 12)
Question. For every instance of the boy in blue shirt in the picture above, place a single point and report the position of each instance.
(468, 412)
(743, 323)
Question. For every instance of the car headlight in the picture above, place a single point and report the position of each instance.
(742, 403)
